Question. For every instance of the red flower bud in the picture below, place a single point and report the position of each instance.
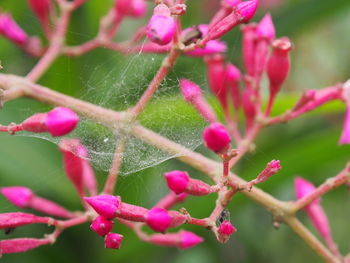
(134, 8)
(161, 27)
(18, 245)
(113, 240)
(61, 121)
(217, 138)
(105, 205)
(158, 219)
(278, 65)
(101, 225)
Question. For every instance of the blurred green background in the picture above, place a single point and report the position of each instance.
(320, 30)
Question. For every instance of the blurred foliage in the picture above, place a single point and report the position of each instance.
(307, 146)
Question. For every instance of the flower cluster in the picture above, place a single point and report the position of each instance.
(239, 92)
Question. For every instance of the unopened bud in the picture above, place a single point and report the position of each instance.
(217, 138)
(134, 8)
(101, 225)
(12, 31)
(113, 240)
(161, 27)
(158, 219)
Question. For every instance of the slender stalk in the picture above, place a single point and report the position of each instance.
(167, 64)
(54, 49)
(114, 171)
(310, 239)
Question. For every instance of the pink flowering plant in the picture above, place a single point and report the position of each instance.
(245, 93)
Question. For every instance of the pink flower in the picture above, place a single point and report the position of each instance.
(192, 94)
(41, 8)
(314, 210)
(248, 47)
(18, 245)
(226, 228)
(345, 136)
(10, 29)
(161, 28)
(303, 188)
(23, 197)
(134, 8)
(188, 240)
(158, 219)
(101, 225)
(278, 65)
(113, 240)
(105, 205)
(61, 121)
(17, 195)
(182, 240)
(217, 138)
(11, 220)
(266, 28)
(272, 167)
(216, 72)
(247, 9)
(265, 33)
(73, 164)
(177, 181)
(233, 76)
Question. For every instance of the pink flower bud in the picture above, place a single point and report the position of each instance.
(190, 91)
(266, 28)
(188, 240)
(231, 3)
(73, 165)
(226, 228)
(265, 33)
(18, 245)
(303, 188)
(10, 29)
(193, 95)
(216, 78)
(17, 195)
(233, 76)
(105, 205)
(61, 121)
(249, 108)
(35, 123)
(247, 9)
(217, 138)
(41, 8)
(278, 65)
(158, 219)
(48, 207)
(134, 8)
(102, 226)
(182, 240)
(24, 198)
(161, 28)
(345, 136)
(242, 14)
(177, 181)
(113, 240)
(314, 210)
(11, 220)
(248, 47)
(271, 168)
